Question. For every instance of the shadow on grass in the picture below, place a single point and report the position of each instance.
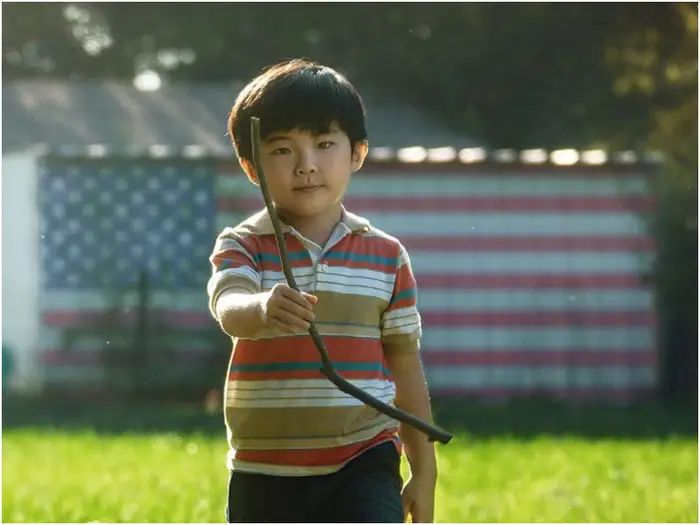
(516, 418)
(110, 416)
(527, 418)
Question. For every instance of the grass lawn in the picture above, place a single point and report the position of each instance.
(61, 468)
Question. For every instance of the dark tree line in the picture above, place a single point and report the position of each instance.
(513, 75)
(614, 75)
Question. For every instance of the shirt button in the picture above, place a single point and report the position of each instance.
(323, 267)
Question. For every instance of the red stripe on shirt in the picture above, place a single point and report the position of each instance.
(232, 258)
(313, 457)
(303, 349)
(305, 374)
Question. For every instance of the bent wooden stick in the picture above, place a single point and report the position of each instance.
(434, 433)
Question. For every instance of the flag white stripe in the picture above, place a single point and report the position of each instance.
(510, 224)
(502, 185)
(530, 224)
(448, 300)
(540, 376)
(544, 338)
(53, 338)
(81, 300)
(543, 263)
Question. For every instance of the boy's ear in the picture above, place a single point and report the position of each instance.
(359, 152)
(249, 170)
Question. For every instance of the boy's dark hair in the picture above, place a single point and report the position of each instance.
(299, 94)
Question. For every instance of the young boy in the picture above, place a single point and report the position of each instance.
(300, 450)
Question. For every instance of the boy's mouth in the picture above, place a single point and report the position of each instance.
(307, 189)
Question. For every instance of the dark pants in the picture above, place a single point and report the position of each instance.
(368, 489)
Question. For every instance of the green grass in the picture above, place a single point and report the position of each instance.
(568, 480)
(82, 476)
(63, 471)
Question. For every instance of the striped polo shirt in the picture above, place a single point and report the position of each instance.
(283, 417)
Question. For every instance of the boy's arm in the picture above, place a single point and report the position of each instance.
(412, 396)
(236, 299)
(239, 314)
(283, 308)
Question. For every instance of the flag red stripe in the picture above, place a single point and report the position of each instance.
(66, 318)
(481, 281)
(530, 244)
(432, 319)
(592, 392)
(572, 357)
(95, 356)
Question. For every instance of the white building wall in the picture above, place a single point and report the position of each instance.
(20, 268)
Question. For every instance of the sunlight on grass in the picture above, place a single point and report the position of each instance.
(568, 480)
(130, 478)
(165, 477)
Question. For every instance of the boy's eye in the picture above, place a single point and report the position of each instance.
(325, 144)
(280, 151)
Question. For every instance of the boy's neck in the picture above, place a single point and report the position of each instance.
(317, 228)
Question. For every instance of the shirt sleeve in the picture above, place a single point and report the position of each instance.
(235, 267)
(401, 323)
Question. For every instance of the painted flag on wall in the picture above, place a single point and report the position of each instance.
(532, 280)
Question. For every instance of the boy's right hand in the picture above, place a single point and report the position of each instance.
(286, 309)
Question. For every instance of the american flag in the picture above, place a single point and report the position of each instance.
(532, 279)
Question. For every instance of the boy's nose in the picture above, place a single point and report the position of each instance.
(305, 165)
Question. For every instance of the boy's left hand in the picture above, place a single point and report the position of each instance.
(418, 498)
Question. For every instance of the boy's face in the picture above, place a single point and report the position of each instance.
(308, 174)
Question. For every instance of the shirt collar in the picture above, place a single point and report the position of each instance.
(261, 224)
